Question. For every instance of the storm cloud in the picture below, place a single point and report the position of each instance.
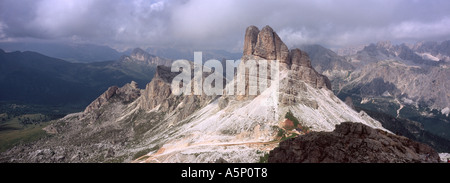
(220, 24)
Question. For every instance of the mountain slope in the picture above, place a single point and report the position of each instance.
(325, 60)
(426, 86)
(412, 130)
(328, 63)
(433, 50)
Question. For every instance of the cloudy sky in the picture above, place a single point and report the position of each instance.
(220, 24)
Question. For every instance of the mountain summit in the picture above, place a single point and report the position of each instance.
(141, 57)
(266, 44)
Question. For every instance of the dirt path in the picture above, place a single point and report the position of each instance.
(160, 153)
(250, 143)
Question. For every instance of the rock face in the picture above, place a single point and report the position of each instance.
(158, 95)
(266, 44)
(352, 143)
(426, 86)
(433, 50)
(302, 69)
(251, 37)
(349, 102)
(158, 90)
(299, 58)
(97, 103)
(128, 93)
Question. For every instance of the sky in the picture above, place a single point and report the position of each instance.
(220, 24)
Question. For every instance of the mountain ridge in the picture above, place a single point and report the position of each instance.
(77, 53)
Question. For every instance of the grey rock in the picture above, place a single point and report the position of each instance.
(268, 45)
(352, 143)
(300, 58)
(97, 103)
(128, 93)
(265, 46)
(349, 102)
(251, 37)
(221, 160)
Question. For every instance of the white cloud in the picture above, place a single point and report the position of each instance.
(293, 37)
(421, 30)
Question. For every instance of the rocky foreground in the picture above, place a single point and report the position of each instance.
(352, 143)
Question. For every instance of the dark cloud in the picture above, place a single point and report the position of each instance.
(221, 24)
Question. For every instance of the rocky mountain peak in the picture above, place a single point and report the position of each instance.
(127, 93)
(103, 98)
(142, 57)
(384, 44)
(251, 37)
(299, 58)
(134, 85)
(138, 51)
(265, 44)
(268, 45)
(164, 73)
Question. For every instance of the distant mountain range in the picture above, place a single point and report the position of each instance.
(32, 78)
(323, 59)
(74, 74)
(433, 50)
(403, 81)
(83, 53)
(188, 54)
(87, 53)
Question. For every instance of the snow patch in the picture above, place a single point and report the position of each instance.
(407, 101)
(428, 56)
(365, 100)
(445, 111)
(386, 94)
(444, 156)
